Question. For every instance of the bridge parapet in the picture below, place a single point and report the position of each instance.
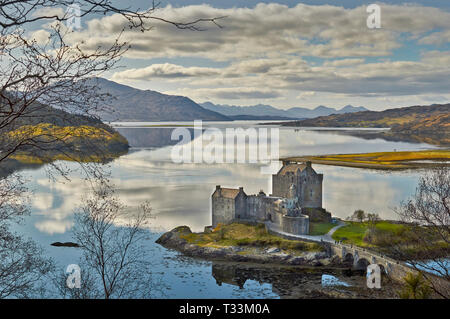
(363, 257)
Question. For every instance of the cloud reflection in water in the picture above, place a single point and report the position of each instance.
(180, 193)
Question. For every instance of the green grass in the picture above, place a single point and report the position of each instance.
(387, 234)
(387, 226)
(317, 229)
(248, 236)
(354, 232)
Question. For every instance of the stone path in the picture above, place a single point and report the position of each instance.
(326, 238)
(332, 231)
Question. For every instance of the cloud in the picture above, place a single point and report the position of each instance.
(231, 93)
(166, 71)
(268, 50)
(436, 38)
(54, 226)
(49, 12)
(43, 201)
(250, 79)
(325, 31)
(40, 36)
(305, 95)
(344, 62)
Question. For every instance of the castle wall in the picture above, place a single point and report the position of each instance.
(282, 183)
(318, 215)
(276, 216)
(256, 208)
(241, 207)
(295, 225)
(291, 189)
(311, 189)
(223, 210)
(259, 207)
(312, 194)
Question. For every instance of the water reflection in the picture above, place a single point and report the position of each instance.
(330, 280)
(154, 137)
(180, 193)
(288, 282)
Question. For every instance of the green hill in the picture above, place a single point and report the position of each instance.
(44, 134)
(430, 124)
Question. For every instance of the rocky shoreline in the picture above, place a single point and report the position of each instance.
(261, 255)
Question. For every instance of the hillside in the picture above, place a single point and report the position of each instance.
(429, 124)
(133, 105)
(270, 112)
(394, 118)
(45, 134)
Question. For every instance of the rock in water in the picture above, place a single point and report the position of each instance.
(68, 244)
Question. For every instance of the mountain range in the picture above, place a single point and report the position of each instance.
(411, 117)
(135, 105)
(268, 110)
(420, 123)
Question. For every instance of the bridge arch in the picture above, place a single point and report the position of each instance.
(362, 263)
(348, 258)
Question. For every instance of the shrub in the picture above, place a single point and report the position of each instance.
(415, 287)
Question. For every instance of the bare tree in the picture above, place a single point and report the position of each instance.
(358, 215)
(22, 263)
(49, 82)
(428, 245)
(38, 77)
(372, 220)
(113, 263)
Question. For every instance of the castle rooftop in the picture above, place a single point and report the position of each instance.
(228, 192)
(291, 168)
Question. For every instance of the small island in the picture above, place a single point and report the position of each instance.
(241, 242)
(290, 227)
(265, 228)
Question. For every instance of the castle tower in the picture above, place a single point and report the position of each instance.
(307, 184)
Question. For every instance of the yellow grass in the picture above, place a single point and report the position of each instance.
(71, 135)
(50, 131)
(249, 237)
(380, 159)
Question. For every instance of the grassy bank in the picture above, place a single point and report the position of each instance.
(357, 233)
(387, 237)
(70, 143)
(317, 229)
(248, 236)
(382, 160)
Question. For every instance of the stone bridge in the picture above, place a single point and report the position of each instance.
(397, 270)
(358, 256)
(361, 258)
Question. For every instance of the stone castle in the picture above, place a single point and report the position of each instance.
(295, 200)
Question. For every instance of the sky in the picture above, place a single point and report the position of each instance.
(286, 53)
